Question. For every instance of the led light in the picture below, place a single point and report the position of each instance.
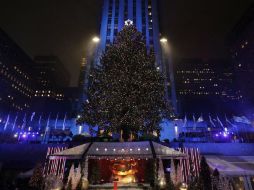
(96, 39)
(163, 40)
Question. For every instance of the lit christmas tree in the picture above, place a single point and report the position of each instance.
(37, 179)
(126, 91)
(205, 175)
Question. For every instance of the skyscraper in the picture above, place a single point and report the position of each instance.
(16, 76)
(52, 79)
(143, 14)
(241, 44)
(205, 86)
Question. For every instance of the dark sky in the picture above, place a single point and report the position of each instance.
(195, 28)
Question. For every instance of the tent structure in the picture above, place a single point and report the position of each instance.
(238, 170)
(145, 149)
(111, 153)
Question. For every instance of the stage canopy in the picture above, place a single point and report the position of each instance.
(144, 149)
(232, 165)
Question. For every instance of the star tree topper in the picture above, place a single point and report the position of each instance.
(128, 22)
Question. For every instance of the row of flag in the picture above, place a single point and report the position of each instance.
(217, 122)
(25, 122)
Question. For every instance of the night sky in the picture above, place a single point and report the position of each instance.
(195, 28)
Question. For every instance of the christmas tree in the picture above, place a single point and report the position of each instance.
(126, 91)
(193, 180)
(69, 185)
(170, 185)
(216, 181)
(205, 175)
(37, 179)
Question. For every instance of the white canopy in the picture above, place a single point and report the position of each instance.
(144, 149)
(232, 165)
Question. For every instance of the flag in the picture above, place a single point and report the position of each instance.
(242, 119)
(32, 116)
(227, 120)
(7, 122)
(185, 121)
(47, 128)
(64, 121)
(39, 123)
(211, 121)
(24, 122)
(221, 124)
(200, 119)
(14, 124)
(47, 125)
(56, 120)
(194, 120)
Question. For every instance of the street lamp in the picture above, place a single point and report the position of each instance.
(166, 59)
(163, 40)
(96, 39)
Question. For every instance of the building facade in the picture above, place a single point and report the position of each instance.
(144, 15)
(16, 76)
(241, 42)
(50, 72)
(203, 86)
(52, 81)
